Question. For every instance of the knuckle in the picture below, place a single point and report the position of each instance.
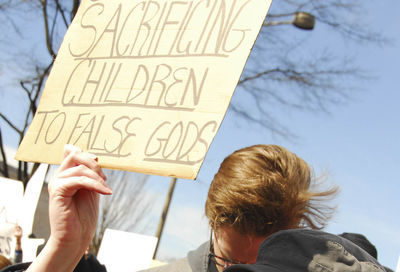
(81, 167)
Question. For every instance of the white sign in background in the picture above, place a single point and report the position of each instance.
(120, 249)
(17, 207)
(11, 194)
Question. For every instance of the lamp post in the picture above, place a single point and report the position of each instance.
(302, 20)
(161, 223)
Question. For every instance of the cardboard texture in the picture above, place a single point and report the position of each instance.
(144, 85)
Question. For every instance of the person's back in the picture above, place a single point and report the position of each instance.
(304, 250)
(362, 241)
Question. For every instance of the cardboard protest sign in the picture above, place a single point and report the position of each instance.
(144, 85)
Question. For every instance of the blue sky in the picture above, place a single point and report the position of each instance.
(357, 144)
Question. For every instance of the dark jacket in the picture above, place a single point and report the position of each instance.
(91, 264)
(309, 250)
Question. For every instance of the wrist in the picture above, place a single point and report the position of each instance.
(57, 256)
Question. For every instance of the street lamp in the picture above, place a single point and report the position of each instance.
(302, 20)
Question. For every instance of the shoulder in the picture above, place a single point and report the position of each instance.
(309, 250)
(198, 258)
(181, 265)
(196, 261)
(313, 248)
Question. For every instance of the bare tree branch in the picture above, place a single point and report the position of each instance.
(10, 123)
(129, 198)
(74, 9)
(4, 170)
(62, 12)
(49, 42)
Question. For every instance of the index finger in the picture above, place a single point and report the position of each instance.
(69, 148)
(74, 156)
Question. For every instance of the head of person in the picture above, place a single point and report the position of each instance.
(256, 192)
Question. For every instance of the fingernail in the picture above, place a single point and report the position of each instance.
(94, 157)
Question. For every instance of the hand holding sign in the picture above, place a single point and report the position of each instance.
(73, 210)
(73, 197)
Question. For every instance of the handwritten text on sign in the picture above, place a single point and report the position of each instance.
(144, 84)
